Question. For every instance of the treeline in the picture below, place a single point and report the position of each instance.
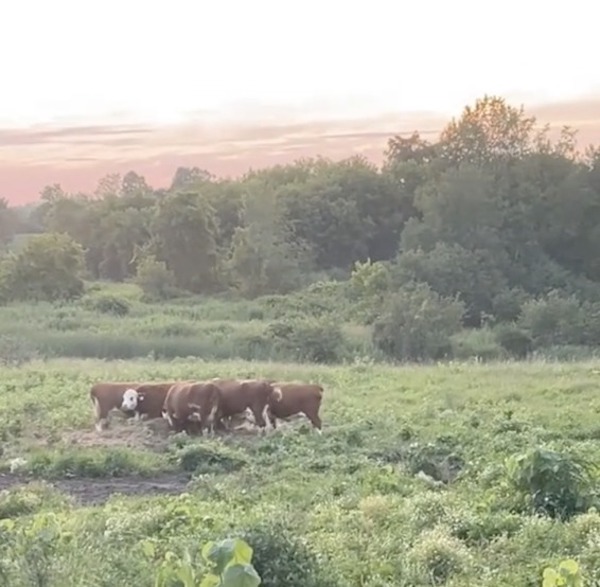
(491, 216)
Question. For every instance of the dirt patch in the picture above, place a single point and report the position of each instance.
(151, 435)
(97, 491)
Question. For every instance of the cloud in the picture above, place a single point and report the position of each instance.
(78, 156)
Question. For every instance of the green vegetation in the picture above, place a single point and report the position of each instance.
(448, 302)
(445, 474)
(493, 227)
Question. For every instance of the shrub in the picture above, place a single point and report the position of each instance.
(308, 339)
(155, 279)
(480, 343)
(47, 268)
(554, 320)
(508, 304)
(282, 559)
(417, 323)
(514, 340)
(439, 556)
(108, 304)
(551, 483)
(16, 350)
(202, 458)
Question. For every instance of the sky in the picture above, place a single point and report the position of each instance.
(90, 87)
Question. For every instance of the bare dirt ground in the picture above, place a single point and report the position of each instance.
(97, 491)
(150, 435)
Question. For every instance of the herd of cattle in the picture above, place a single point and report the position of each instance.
(192, 406)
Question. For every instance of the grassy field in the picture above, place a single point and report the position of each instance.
(413, 482)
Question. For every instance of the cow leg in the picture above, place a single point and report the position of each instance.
(314, 420)
(210, 419)
(272, 419)
(258, 410)
(101, 424)
(267, 417)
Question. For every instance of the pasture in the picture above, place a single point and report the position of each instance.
(414, 481)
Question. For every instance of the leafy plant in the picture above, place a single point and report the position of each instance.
(230, 563)
(551, 483)
(568, 574)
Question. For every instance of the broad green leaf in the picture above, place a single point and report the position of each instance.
(570, 566)
(241, 576)
(228, 551)
(210, 581)
(242, 552)
(549, 577)
(186, 574)
(207, 549)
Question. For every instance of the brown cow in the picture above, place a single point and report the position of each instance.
(147, 399)
(191, 406)
(107, 396)
(296, 398)
(237, 395)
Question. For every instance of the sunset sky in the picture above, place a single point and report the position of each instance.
(94, 87)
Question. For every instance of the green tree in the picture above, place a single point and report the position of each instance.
(491, 130)
(185, 232)
(8, 222)
(454, 271)
(459, 208)
(155, 279)
(47, 268)
(262, 261)
(417, 323)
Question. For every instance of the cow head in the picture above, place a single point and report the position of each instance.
(131, 399)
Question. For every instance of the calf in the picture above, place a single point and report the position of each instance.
(296, 398)
(191, 406)
(237, 395)
(107, 396)
(147, 399)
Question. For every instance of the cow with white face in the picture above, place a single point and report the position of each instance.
(146, 400)
(131, 402)
(133, 398)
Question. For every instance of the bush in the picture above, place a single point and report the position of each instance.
(514, 340)
(480, 343)
(16, 350)
(508, 304)
(551, 483)
(417, 323)
(554, 320)
(308, 339)
(439, 556)
(108, 304)
(281, 559)
(47, 268)
(155, 279)
(202, 458)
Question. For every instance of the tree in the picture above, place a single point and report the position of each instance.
(416, 323)
(262, 260)
(47, 268)
(490, 131)
(8, 221)
(155, 279)
(189, 178)
(461, 208)
(185, 231)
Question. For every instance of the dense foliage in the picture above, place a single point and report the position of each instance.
(482, 244)
(493, 225)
